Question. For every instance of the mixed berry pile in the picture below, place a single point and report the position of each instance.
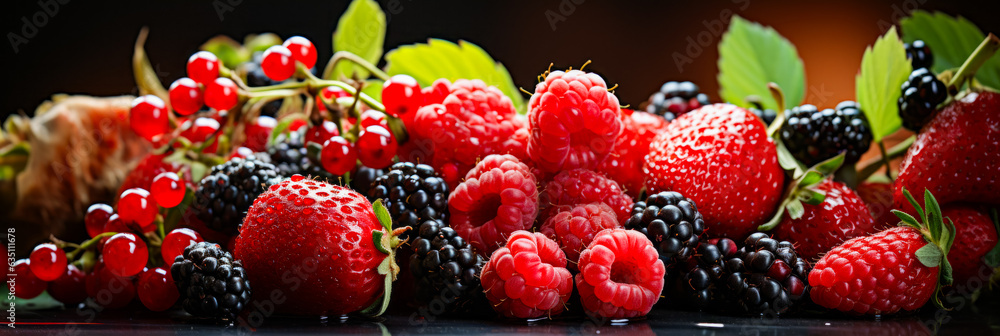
(574, 206)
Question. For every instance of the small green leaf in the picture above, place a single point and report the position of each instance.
(830, 165)
(795, 209)
(377, 236)
(929, 255)
(884, 68)
(810, 178)
(946, 272)
(787, 161)
(948, 235)
(811, 196)
(230, 52)
(750, 57)
(198, 171)
(427, 62)
(913, 202)
(383, 215)
(933, 219)
(361, 31)
(952, 40)
(907, 219)
(379, 306)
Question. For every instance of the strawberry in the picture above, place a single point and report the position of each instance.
(720, 157)
(327, 249)
(897, 269)
(878, 197)
(955, 155)
(624, 164)
(976, 235)
(841, 216)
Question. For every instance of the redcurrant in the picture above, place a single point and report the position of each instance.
(185, 96)
(157, 290)
(303, 50)
(199, 130)
(203, 67)
(277, 63)
(330, 93)
(221, 94)
(109, 290)
(148, 117)
(401, 95)
(125, 254)
(338, 156)
(136, 205)
(258, 133)
(70, 288)
(372, 118)
(115, 224)
(97, 217)
(175, 242)
(376, 146)
(26, 284)
(167, 189)
(319, 134)
(48, 261)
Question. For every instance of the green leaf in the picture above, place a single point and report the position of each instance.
(929, 255)
(260, 42)
(907, 219)
(933, 219)
(361, 31)
(795, 209)
(830, 165)
(426, 62)
(952, 39)
(787, 161)
(884, 68)
(750, 57)
(198, 171)
(13, 159)
(946, 272)
(913, 202)
(811, 196)
(230, 52)
(379, 306)
(383, 215)
(373, 88)
(810, 178)
(145, 76)
(377, 237)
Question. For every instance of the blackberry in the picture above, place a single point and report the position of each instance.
(290, 156)
(675, 99)
(919, 54)
(363, 177)
(696, 283)
(922, 93)
(766, 276)
(766, 115)
(445, 266)
(413, 193)
(813, 136)
(211, 283)
(671, 221)
(224, 196)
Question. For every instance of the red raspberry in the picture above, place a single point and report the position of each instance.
(575, 226)
(621, 275)
(574, 121)
(517, 143)
(471, 122)
(527, 278)
(720, 157)
(580, 186)
(624, 164)
(498, 197)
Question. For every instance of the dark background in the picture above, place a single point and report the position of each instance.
(86, 47)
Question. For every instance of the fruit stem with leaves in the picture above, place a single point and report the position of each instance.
(801, 191)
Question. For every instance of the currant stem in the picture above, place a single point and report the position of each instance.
(870, 166)
(986, 49)
(87, 244)
(346, 55)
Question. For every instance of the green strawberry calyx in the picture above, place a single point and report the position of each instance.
(386, 241)
(803, 190)
(939, 233)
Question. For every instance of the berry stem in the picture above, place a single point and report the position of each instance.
(986, 49)
(346, 55)
(87, 244)
(871, 166)
(885, 160)
(779, 114)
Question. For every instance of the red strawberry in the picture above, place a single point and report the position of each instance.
(841, 216)
(884, 273)
(975, 236)
(320, 245)
(878, 198)
(955, 155)
(625, 162)
(720, 157)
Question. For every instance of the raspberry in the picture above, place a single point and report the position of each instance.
(211, 282)
(574, 121)
(625, 162)
(471, 122)
(412, 194)
(580, 186)
(527, 278)
(919, 54)
(922, 93)
(223, 197)
(497, 198)
(444, 266)
(812, 136)
(671, 221)
(620, 275)
(574, 227)
(675, 99)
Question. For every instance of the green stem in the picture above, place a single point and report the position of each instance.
(870, 166)
(346, 55)
(986, 49)
(773, 223)
(87, 244)
(885, 160)
(779, 118)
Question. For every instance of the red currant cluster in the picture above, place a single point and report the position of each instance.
(115, 265)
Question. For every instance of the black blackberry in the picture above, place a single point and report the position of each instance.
(675, 99)
(445, 266)
(922, 93)
(413, 193)
(290, 156)
(671, 221)
(363, 177)
(919, 54)
(211, 283)
(812, 136)
(767, 115)
(224, 196)
(766, 276)
(697, 279)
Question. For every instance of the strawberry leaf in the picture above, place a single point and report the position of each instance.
(811, 196)
(787, 161)
(952, 40)
(427, 62)
(905, 218)
(884, 68)
(913, 202)
(750, 57)
(933, 219)
(360, 31)
(382, 214)
(929, 255)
